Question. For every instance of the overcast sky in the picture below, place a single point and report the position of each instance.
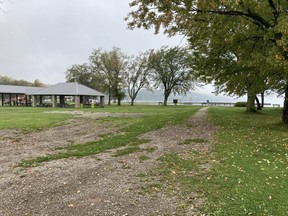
(40, 39)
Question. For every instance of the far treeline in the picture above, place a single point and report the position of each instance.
(5, 80)
(115, 73)
(239, 45)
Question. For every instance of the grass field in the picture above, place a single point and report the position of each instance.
(250, 158)
(154, 117)
(27, 118)
(250, 176)
(250, 170)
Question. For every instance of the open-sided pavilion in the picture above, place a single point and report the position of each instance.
(16, 95)
(61, 90)
(57, 93)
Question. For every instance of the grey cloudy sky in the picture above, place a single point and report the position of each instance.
(40, 39)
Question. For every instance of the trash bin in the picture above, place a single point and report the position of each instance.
(81, 105)
(175, 101)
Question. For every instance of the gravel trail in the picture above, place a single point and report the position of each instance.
(94, 185)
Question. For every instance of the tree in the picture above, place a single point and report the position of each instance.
(38, 83)
(5, 80)
(84, 74)
(110, 66)
(104, 71)
(80, 73)
(237, 66)
(180, 16)
(136, 76)
(170, 70)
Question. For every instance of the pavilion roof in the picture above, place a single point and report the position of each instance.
(68, 89)
(13, 89)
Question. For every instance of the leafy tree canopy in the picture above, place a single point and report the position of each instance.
(110, 66)
(241, 24)
(170, 70)
(5, 80)
(137, 75)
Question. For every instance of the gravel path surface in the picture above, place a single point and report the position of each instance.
(96, 185)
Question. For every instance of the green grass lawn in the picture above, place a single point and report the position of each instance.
(28, 118)
(154, 117)
(250, 176)
(35, 118)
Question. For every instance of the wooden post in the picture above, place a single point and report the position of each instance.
(34, 100)
(41, 100)
(2, 99)
(77, 101)
(62, 100)
(102, 101)
(10, 99)
(54, 101)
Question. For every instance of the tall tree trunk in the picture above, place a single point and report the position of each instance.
(132, 101)
(165, 101)
(259, 107)
(166, 95)
(109, 99)
(285, 108)
(109, 95)
(251, 101)
(262, 99)
(119, 102)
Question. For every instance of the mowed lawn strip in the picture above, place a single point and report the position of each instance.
(28, 118)
(250, 176)
(154, 117)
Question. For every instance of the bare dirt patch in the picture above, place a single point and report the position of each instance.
(97, 115)
(96, 185)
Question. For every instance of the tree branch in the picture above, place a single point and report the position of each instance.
(258, 20)
(275, 11)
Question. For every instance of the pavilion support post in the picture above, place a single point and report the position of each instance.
(34, 100)
(77, 101)
(26, 100)
(54, 101)
(41, 100)
(62, 100)
(10, 99)
(102, 101)
(81, 101)
(2, 99)
(17, 99)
